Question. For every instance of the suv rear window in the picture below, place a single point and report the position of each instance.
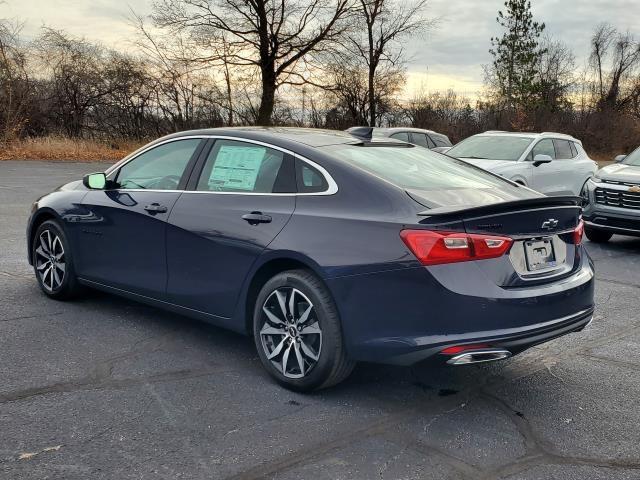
(416, 168)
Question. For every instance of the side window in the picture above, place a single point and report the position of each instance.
(404, 136)
(160, 168)
(574, 150)
(441, 141)
(309, 179)
(563, 149)
(544, 147)
(420, 139)
(234, 166)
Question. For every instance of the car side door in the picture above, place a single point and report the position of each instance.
(123, 239)
(543, 175)
(569, 176)
(241, 196)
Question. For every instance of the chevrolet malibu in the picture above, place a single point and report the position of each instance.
(328, 249)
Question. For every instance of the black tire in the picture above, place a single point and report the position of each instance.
(332, 364)
(64, 284)
(597, 236)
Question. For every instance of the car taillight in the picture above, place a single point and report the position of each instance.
(578, 233)
(434, 248)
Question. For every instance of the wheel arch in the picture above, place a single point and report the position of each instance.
(269, 265)
(38, 219)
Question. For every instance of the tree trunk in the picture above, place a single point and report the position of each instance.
(372, 97)
(268, 96)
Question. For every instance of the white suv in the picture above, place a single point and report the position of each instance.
(551, 163)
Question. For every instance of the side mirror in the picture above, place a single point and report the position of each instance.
(95, 181)
(541, 158)
(619, 158)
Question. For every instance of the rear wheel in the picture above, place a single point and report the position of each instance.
(596, 235)
(52, 261)
(297, 332)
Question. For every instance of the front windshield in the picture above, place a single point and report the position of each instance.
(633, 158)
(500, 147)
(416, 168)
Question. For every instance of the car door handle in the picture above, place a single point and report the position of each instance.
(254, 218)
(156, 208)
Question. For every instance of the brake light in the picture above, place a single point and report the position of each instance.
(578, 233)
(434, 248)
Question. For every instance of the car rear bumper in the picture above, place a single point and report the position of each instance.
(514, 342)
(410, 315)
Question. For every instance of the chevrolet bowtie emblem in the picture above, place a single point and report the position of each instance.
(635, 189)
(550, 224)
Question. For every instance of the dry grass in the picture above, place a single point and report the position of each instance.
(67, 149)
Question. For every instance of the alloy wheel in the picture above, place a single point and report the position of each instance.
(50, 260)
(290, 335)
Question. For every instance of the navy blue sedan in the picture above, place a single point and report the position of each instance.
(327, 248)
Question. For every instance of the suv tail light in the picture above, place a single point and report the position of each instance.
(434, 248)
(578, 233)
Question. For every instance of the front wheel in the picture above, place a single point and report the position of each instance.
(597, 236)
(297, 332)
(52, 261)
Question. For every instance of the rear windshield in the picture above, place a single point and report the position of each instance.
(416, 168)
(491, 148)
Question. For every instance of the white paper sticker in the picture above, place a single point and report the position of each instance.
(236, 168)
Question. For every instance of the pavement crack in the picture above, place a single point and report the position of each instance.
(91, 383)
(618, 282)
(539, 451)
(27, 317)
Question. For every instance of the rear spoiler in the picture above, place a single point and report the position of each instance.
(477, 210)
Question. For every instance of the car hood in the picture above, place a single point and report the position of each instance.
(488, 164)
(74, 185)
(620, 173)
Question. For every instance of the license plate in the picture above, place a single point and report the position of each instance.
(539, 254)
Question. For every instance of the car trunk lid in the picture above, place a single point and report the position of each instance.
(541, 227)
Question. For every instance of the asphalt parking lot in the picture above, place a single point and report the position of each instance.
(107, 388)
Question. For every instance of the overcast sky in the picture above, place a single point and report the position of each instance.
(450, 56)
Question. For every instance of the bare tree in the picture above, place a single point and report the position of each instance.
(273, 36)
(615, 59)
(555, 75)
(16, 86)
(375, 40)
(76, 78)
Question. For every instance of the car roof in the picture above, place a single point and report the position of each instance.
(499, 133)
(281, 136)
(391, 130)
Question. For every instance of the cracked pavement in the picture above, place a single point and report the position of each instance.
(105, 388)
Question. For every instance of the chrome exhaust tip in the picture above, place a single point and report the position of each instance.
(479, 356)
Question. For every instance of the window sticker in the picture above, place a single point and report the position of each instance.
(236, 168)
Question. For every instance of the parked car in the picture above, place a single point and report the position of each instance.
(551, 163)
(612, 199)
(326, 248)
(425, 138)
